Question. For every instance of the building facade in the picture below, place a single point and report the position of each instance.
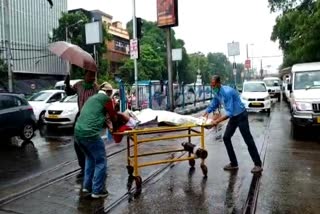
(31, 23)
(118, 46)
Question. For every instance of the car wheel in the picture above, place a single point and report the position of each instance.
(296, 131)
(268, 111)
(41, 118)
(27, 131)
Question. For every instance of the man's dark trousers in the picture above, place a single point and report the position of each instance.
(242, 122)
(80, 155)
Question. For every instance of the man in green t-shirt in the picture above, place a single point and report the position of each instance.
(88, 127)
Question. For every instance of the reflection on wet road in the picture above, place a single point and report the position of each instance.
(27, 159)
(288, 184)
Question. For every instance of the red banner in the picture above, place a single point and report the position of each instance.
(247, 64)
(167, 13)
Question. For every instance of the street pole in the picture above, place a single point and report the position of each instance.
(7, 42)
(177, 63)
(134, 20)
(169, 61)
(67, 40)
(235, 71)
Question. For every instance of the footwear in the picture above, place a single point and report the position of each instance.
(257, 169)
(84, 190)
(80, 175)
(100, 195)
(230, 167)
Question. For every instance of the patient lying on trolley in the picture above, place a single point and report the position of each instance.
(129, 120)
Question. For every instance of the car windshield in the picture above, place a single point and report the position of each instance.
(40, 96)
(254, 87)
(307, 80)
(70, 99)
(272, 82)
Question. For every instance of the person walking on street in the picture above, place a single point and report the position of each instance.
(84, 89)
(238, 117)
(88, 127)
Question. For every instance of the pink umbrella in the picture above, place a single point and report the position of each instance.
(74, 55)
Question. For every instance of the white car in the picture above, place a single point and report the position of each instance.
(63, 113)
(60, 85)
(274, 85)
(42, 100)
(255, 96)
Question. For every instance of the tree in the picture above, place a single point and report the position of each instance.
(285, 5)
(198, 61)
(77, 37)
(297, 30)
(219, 64)
(153, 43)
(150, 66)
(3, 74)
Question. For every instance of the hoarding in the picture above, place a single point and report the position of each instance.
(93, 33)
(247, 64)
(134, 49)
(167, 13)
(234, 49)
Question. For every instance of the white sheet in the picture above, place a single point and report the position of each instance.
(147, 115)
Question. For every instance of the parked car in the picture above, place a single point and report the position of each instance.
(61, 86)
(255, 96)
(42, 100)
(274, 86)
(63, 113)
(304, 96)
(16, 117)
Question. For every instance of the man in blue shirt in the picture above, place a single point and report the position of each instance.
(235, 111)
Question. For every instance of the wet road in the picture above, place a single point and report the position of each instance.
(28, 159)
(289, 183)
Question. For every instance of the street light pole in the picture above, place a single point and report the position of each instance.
(7, 42)
(169, 63)
(69, 40)
(134, 22)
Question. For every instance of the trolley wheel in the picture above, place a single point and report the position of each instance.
(130, 169)
(204, 170)
(201, 153)
(130, 182)
(138, 180)
(192, 162)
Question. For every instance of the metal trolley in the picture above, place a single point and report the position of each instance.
(168, 133)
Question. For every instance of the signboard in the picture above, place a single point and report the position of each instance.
(247, 64)
(167, 13)
(234, 71)
(234, 49)
(134, 49)
(177, 54)
(93, 33)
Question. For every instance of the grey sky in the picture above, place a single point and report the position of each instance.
(207, 25)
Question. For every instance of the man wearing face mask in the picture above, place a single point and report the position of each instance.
(84, 89)
(238, 117)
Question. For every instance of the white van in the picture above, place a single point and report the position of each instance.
(274, 87)
(305, 96)
(61, 86)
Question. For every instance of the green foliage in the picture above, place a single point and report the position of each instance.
(150, 65)
(77, 36)
(297, 29)
(153, 62)
(153, 56)
(212, 64)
